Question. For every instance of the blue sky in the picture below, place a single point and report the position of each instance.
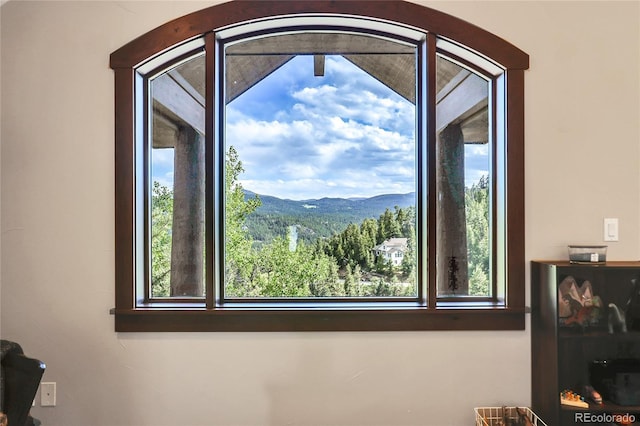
(341, 135)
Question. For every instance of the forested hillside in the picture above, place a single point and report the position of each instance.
(316, 219)
(316, 248)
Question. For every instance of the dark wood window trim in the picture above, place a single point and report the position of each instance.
(131, 312)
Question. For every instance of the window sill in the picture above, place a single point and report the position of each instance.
(380, 318)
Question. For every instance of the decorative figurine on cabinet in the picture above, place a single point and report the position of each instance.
(616, 319)
(629, 317)
(577, 305)
(633, 306)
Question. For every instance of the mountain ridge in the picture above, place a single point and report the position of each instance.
(373, 204)
(317, 218)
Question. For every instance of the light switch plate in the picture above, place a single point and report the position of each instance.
(611, 229)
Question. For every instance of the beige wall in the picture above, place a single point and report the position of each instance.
(582, 164)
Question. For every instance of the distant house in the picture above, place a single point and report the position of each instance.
(392, 250)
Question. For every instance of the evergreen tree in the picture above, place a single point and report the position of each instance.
(357, 288)
(409, 258)
(348, 281)
(368, 232)
(477, 212)
(275, 269)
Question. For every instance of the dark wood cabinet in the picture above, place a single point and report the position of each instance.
(567, 339)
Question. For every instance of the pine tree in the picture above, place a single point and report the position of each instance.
(348, 281)
(477, 213)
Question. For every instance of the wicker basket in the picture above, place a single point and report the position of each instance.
(494, 416)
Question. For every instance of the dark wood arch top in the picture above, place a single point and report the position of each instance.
(235, 12)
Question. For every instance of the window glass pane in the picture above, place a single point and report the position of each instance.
(320, 174)
(463, 181)
(176, 234)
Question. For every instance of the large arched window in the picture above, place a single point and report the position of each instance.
(319, 165)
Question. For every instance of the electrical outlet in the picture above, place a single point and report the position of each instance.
(48, 394)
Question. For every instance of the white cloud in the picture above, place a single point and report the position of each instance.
(344, 135)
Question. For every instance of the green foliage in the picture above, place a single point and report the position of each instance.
(349, 284)
(279, 272)
(237, 207)
(354, 245)
(161, 222)
(272, 270)
(240, 260)
(409, 260)
(356, 289)
(388, 226)
(341, 264)
(477, 211)
(316, 218)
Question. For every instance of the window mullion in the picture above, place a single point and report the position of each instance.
(496, 287)
(429, 104)
(147, 135)
(210, 181)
